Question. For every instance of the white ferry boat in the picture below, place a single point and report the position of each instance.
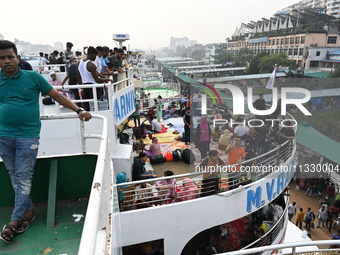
(76, 197)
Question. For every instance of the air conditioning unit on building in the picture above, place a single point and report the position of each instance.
(315, 45)
(296, 45)
(312, 45)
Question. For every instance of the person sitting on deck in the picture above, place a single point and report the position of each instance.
(139, 132)
(155, 126)
(258, 231)
(54, 81)
(168, 113)
(123, 193)
(154, 149)
(151, 112)
(138, 169)
(189, 190)
(167, 189)
(143, 195)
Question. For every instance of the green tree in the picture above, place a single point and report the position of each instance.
(254, 63)
(197, 55)
(243, 57)
(223, 57)
(335, 73)
(268, 62)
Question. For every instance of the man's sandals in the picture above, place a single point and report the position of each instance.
(24, 224)
(6, 235)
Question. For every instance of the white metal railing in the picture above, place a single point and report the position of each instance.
(112, 87)
(270, 236)
(293, 246)
(100, 208)
(225, 182)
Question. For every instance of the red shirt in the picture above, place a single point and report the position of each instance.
(331, 190)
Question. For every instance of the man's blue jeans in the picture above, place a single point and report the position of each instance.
(19, 156)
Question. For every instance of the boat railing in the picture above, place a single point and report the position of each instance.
(227, 181)
(99, 214)
(293, 246)
(270, 236)
(111, 88)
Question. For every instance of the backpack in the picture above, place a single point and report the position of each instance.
(177, 154)
(187, 157)
(312, 216)
(123, 138)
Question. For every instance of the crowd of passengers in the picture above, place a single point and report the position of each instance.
(239, 142)
(149, 194)
(111, 65)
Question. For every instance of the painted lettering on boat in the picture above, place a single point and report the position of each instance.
(124, 106)
(259, 195)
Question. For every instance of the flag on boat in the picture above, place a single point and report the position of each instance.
(271, 81)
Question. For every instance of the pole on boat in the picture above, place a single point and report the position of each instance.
(120, 38)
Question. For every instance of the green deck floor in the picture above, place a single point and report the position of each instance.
(64, 238)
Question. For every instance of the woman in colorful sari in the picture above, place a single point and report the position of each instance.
(154, 149)
(202, 137)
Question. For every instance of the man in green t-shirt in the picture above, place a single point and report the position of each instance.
(116, 60)
(20, 129)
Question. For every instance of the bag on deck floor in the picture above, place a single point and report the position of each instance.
(177, 154)
(157, 159)
(187, 156)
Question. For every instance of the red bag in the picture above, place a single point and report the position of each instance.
(169, 156)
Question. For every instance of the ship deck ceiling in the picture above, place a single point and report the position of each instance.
(242, 77)
(42, 240)
(211, 70)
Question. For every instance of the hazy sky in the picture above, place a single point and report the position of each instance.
(150, 23)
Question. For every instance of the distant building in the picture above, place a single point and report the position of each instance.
(306, 49)
(58, 46)
(26, 48)
(213, 49)
(305, 35)
(331, 6)
(175, 42)
(1, 37)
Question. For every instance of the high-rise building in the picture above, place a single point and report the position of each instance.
(184, 41)
(332, 6)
